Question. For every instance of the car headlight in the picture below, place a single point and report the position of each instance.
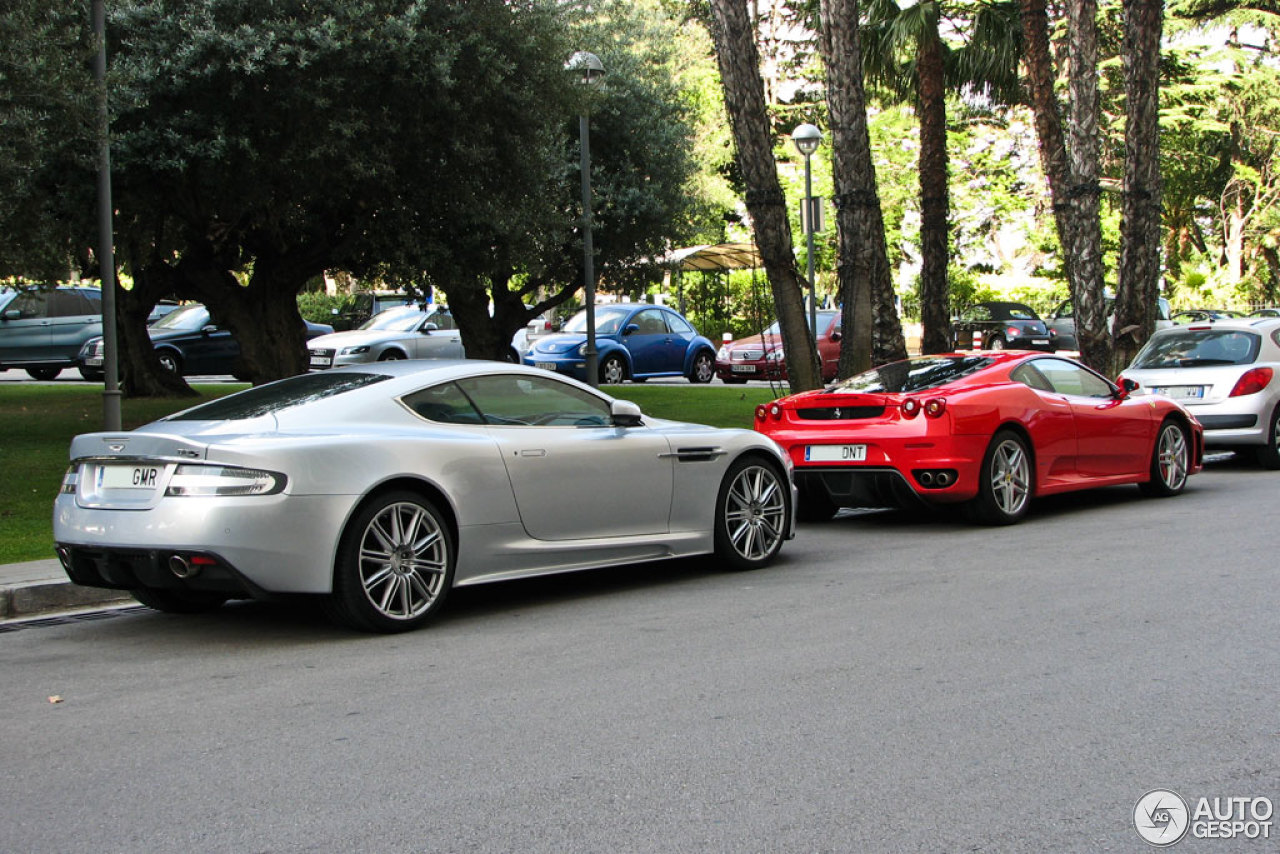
(200, 480)
(92, 347)
(777, 355)
(582, 349)
(354, 351)
(722, 354)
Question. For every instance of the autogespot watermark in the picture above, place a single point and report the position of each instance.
(1163, 817)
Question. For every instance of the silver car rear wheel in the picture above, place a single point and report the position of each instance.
(1268, 455)
(395, 564)
(752, 514)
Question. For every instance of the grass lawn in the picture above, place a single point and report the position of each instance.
(37, 423)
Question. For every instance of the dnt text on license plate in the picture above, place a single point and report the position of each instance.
(835, 453)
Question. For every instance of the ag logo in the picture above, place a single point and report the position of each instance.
(1161, 817)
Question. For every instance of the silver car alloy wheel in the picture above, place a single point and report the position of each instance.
(1172, 456)
(1010, 477)
(403, 559)
(755, 512)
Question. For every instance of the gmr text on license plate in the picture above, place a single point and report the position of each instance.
(835, 453)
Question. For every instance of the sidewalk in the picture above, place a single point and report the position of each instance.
(41, 586)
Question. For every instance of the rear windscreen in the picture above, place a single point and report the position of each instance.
(277, 396)
(1191, 348)
(913, 374)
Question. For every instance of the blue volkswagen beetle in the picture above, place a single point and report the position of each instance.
(634, 341)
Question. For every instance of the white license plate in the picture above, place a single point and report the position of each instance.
(1181, 392)
(835, 453)
(93, 362)
(743, 369)
(1039, 340)
(546, 366)
(130, 477)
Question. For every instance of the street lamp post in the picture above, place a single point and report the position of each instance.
(591, 70)
(807, 139)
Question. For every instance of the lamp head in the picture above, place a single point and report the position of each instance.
(586, 64)
(807, 138)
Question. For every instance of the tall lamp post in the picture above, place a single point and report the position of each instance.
(807, 139)
(591, 70)
(111, 417)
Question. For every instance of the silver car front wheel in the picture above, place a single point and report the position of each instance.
(753, 512)
(394, 566)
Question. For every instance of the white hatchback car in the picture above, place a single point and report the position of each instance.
(1227, 373)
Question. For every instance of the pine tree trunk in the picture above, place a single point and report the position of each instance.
(1139, 280)
(935, 302)
(739, 63)
(871, 329)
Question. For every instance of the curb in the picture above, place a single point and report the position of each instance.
(25, 600)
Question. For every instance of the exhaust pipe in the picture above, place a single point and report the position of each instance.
(182, 568)
(925, 478)
(944, 478)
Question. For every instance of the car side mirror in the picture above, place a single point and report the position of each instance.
(836, 336)
(208, 329)
(1126, 387)
(624, 413)
(429, 328)
(11, 314)
(631, 327)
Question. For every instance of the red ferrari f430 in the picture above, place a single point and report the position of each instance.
(991, 430)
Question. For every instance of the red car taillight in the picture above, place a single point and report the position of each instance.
(934, 407)
(1252, 382)
(910, 407)
(765, 411)
(1013, 332)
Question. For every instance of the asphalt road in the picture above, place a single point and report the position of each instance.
(897, 683)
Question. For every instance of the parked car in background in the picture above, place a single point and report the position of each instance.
(42, 332)
(1062, 323)
(188, 343)
(762, 356)
(362, 305)
(1000, 326)
(1265, 312)
(988, 430)
(634, 341)
(1227, 373)
(407, 332)
(380, 487)
(160, 309)
(1204, 315)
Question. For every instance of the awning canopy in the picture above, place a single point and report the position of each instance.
(722, 256)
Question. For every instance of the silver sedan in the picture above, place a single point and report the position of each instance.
(382, 486)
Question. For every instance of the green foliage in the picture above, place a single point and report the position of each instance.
(320, 307)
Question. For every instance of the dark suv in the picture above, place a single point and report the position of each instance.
(41, 332)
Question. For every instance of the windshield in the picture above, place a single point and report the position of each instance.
(189, 318)
(1191, 348)
(824, 320)
(274, 397)
(916, 374)
(395, 320)
(608, 321)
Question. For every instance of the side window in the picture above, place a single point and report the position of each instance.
(442, 320)
(29, 305)
(1029, 376)
(69, 304)
(977, 312)
(523, 401)
(650, 323)
(443, 403)
(678, 325)
(1070, 378)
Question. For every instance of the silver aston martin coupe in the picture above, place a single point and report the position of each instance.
(382, 486)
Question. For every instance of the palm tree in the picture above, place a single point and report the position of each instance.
(907, 55)
(739, 61)
(1139, 279)
(871, 328)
